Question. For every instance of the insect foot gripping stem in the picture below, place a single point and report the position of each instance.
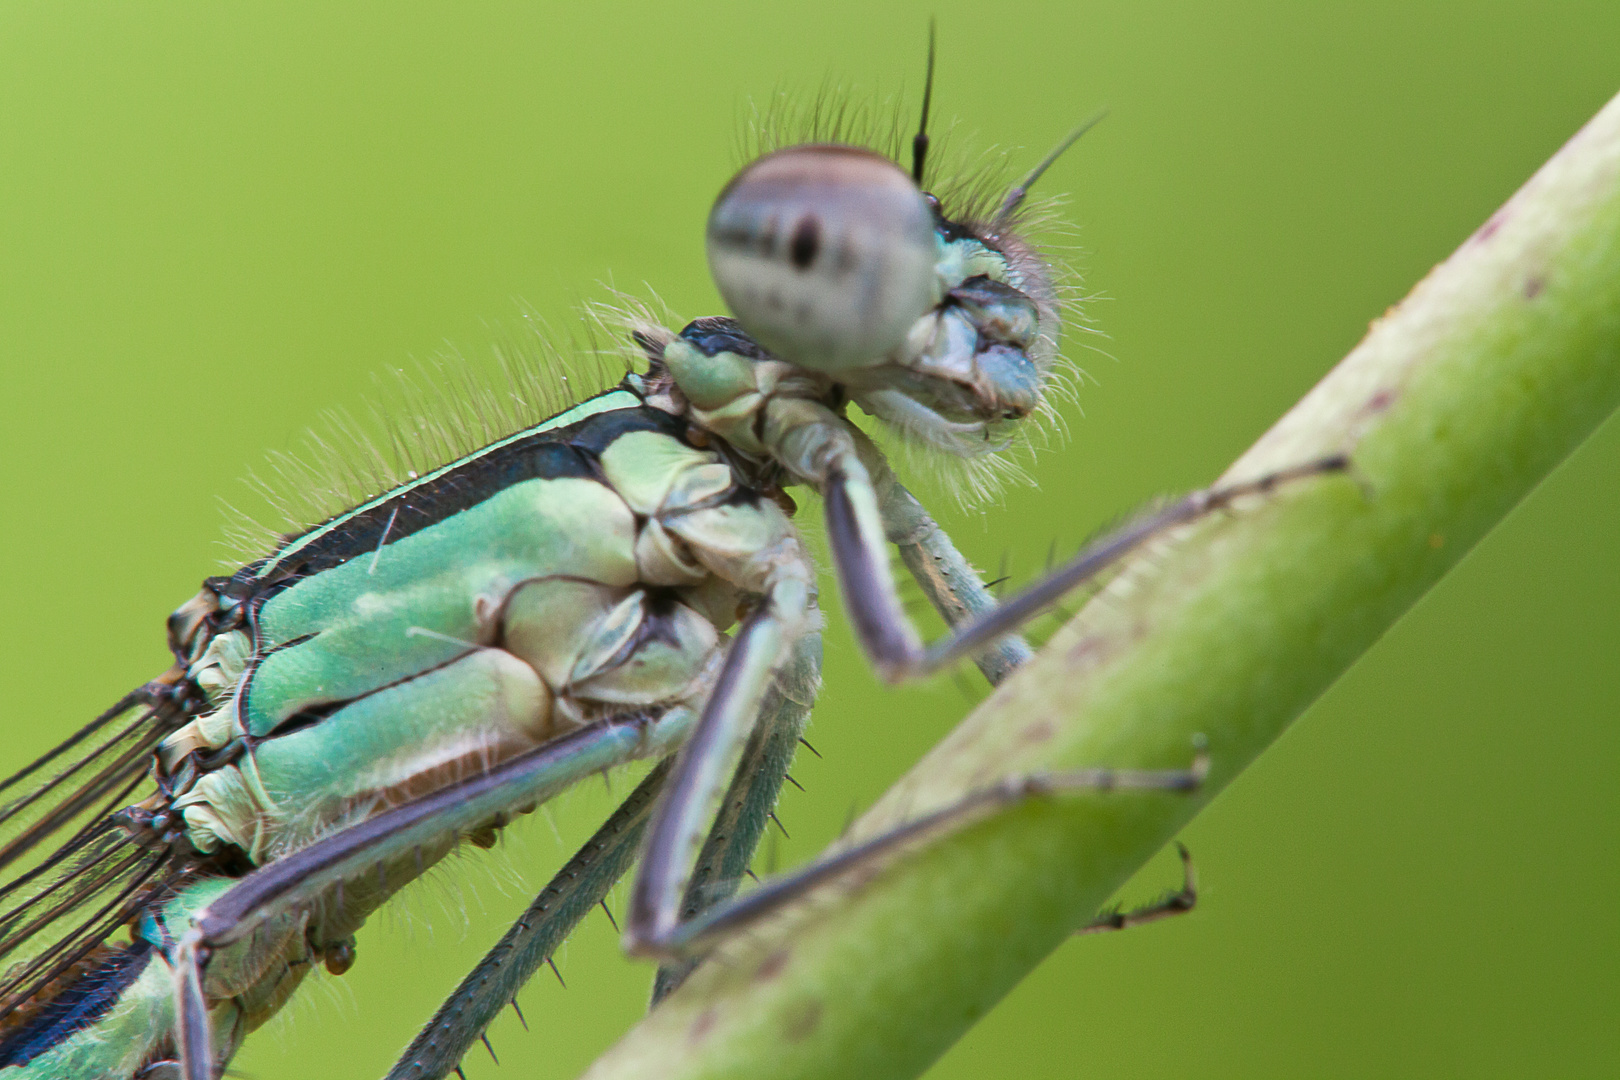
(875, 609)
(1175, 902)
(860, 862)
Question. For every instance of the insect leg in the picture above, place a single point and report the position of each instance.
(951, 584)
(865, 507)
(947, 579)
(1177, 902)
(592, 872)
(729, 716)
(875, 609)
(489, 987)
(755, 786)
(860, 862)
(457, 808)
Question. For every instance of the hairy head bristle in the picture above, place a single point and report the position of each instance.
(627, 318)
(968, 184)
(971, 187)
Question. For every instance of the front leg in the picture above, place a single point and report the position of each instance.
(825, 450)
(854, 529)
(946, 578)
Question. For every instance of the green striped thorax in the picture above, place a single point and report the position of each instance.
(582, 565)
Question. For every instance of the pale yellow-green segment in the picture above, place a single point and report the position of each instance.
(433, 594)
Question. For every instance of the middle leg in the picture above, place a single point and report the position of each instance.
(459, 809)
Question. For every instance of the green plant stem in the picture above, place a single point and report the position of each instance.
(1453, 407)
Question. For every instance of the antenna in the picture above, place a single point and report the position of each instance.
(919, 142)
(1015, 197)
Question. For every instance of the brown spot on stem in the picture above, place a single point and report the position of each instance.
(1085, 650)
(1487, 230)
(1533, 287)
(702, 1025)
(801, 1021)
(773, 966)
(1038, 732)
(1437, 541)
(1380, 401)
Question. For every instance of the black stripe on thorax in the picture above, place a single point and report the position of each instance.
(562, 452)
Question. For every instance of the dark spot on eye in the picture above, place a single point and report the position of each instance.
(735, 237)
(806, 240)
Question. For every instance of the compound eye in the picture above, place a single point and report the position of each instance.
(825, 254)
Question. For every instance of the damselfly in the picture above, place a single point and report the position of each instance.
(619, 581)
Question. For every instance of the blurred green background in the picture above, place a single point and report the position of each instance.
(218, 220)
